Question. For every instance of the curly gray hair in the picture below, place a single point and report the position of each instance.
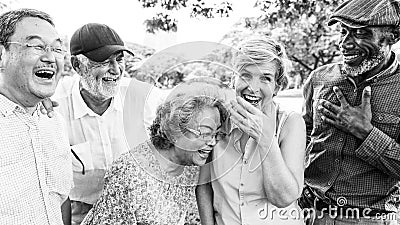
(174, 116)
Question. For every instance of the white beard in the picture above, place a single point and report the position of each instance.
(96, 88)
(365, 66)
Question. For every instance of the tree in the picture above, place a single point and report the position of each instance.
(5, 4)
(164, 21)
(300, 25)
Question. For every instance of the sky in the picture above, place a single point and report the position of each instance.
(127, 17)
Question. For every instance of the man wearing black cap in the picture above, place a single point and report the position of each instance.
(92, 109)
(353, 120)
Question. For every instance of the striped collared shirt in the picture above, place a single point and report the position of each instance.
(35, 166)
(359, 173)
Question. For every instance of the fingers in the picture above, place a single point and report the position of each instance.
(327, 113)
(366, 98)
(329, 106)
(328, 120)
(54, 103)
(340, 96)
(48, 107)
(236, 107)
(246, 105)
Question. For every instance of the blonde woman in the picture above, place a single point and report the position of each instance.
(256, 170)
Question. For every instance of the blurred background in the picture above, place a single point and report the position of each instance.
(150, 26)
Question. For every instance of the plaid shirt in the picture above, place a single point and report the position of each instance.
(35, 166)
(365, 172)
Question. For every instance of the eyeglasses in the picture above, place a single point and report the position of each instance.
(41, 49)
(207, 136)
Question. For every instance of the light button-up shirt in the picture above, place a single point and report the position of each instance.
(35, 166)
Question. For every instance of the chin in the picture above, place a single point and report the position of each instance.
(199, 162)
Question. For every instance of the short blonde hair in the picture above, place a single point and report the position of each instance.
(259, 50)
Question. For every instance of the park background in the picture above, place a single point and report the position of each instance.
(150, 26)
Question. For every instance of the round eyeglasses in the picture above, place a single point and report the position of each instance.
(207, 136)
(41, 49)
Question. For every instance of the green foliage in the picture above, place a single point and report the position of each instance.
(170, 67)
(300, 25)
(163, 21)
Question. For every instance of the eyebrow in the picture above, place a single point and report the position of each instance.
(245, 70)
(31, 37)
(263, 74)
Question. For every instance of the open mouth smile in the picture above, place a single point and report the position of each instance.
(252, 99)
(45, 74)
(204, 153)
(110, 79)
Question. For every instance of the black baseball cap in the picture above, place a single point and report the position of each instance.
(97, 42)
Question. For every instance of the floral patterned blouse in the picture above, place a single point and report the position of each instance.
(138, 191)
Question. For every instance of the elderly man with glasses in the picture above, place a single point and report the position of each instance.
(35, 163)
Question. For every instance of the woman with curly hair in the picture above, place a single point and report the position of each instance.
(154, 182)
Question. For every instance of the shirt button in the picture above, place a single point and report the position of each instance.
(380, 118)
(241, 184)
(337, 160)
(242, 204)
(245, 161)
(341, 139)
(330, 182)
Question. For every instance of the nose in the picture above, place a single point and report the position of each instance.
(212, 142)
(48, 56)
(254, 85)
(347, 42)
(115, 68)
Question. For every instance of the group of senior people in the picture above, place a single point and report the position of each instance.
(213, 154)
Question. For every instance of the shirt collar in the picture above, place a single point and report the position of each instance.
(80, 109)
(7, 107)
(390, 70)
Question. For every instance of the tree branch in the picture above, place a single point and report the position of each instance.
(301, 63)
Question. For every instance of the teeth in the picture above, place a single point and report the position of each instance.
(203, 153)
(350, 57)
(252, 98)
(45, 74)
(109, 79)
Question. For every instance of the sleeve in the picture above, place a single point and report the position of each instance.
(307, 110)
(381, 151)
(115, 206)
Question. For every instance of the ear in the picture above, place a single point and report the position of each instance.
(232, 82)
(2, 51)
(395, 37)
(75, 63)
(277, 88)
(2, 55)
